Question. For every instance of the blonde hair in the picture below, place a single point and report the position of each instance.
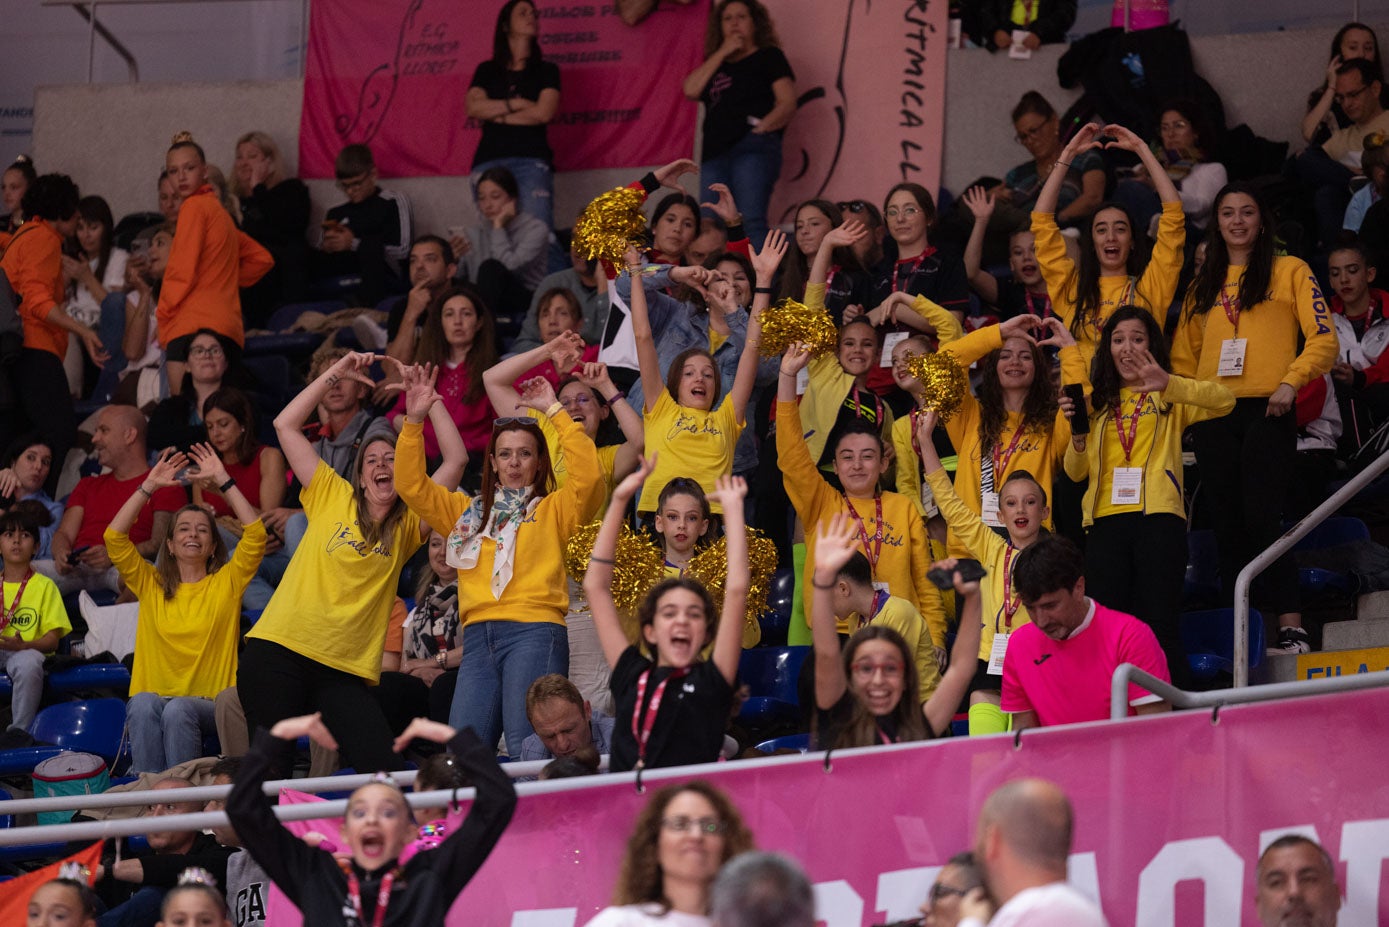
(267, 146)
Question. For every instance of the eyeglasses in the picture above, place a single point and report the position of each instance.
(1028, 135)
(867, 669)
(577, 401)
(682, 824)
(854, 206)
(905, 212)
(1351, 94)
(524, 420)
(1176, 125)
(940, 890)
(353, 184)
(214, 350)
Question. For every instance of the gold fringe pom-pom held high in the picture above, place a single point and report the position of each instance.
(710, 567)
(638, 564)
(789, 321)
(610, 225)
(943, 381)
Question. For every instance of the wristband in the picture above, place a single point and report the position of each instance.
(763, 289)
(148, 494)
(228, 485)
(442, 657)
(617, 397)
(818, 586)
(785, 373)
(555, 407)
(596, 559)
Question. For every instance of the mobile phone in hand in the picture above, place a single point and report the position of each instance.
(1079, 418)
(971, 571)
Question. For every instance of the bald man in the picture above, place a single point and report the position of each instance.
(79, 551)
(1022, 843)
(1296, 884)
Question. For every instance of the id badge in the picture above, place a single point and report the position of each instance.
(996, 654)
(1232, 357)
(802, 381)
(1018, 50)
(881, 587)
(1127, 487)
(988, 510)
(890, 341)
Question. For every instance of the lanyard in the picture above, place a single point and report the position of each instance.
(915, 263)
(644, 722)
(873, 548)
(1127, 441)
(1011, 600)
(879, 600)
(1001, 462)
(1231, 310)
(1130, 289)
(829, 276)
(383, 896)
(1032, 306)
(8, 614)
(877, 407)
(1030, 12)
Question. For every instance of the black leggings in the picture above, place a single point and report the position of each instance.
(276, 683)
(40, 391)
(1136, 563)
(1247, 462)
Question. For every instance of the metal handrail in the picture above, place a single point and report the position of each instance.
(1281, 546)
(1126, 674)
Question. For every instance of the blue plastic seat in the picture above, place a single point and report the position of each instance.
(1209, 640)
(93, 726)
(1331, 533)
(91, 676)
(1202, 583)
(771, 675)
(26, 851)
(799, 742)
(776, 620)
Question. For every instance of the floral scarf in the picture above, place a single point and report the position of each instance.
(510, 507)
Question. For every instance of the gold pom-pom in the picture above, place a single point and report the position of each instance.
(943, 381)
(638, 564)
(789, 321)
(710, 567)
(610, 225)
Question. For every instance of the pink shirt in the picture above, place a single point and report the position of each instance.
(548, 371)
(1068, 681)
(474, 419)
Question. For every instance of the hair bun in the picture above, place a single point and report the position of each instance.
(182, 138)
(23, 159)
(195, 875)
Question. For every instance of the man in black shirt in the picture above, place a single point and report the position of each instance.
(368, 235)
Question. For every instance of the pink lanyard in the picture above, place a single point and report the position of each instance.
(1001, 461)
(1127, 441)
(644, 722)
(383, 896)
(874, 548)
(1032, 306)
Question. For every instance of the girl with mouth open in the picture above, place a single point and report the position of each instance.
(190, 611)
(1134, 510)
(373, 887)
(1111, 273)
(671, 707)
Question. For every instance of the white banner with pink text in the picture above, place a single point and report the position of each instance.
(1171, 814)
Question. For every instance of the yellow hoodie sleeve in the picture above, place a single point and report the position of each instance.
(1057, 269)
(976, 345)
(804, 485)
(1158, 285)
(135, 570)
(976, 536)
(947, 327)
(928, 600)
(439, 508)
(1187, 342)
(582, 494)
(1198, 400)
(1319, 350)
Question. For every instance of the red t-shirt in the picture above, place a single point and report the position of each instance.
(247, 477)
(101, 497)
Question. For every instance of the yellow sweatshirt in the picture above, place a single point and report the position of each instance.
(980, 542)
(904, 555)
(1294, 305)
(538, 590)
(1153, 291)
(908, 461)
(1161, 421)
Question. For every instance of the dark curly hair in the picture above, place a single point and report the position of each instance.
(1104, 374)
(763, 30)
(640, 880)
(51, 196)
(1038, 409)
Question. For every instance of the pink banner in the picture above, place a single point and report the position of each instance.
(393, 74)
(1171, 814)
(870, 75)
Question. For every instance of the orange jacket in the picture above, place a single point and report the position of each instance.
(208, 264)
(34, 264)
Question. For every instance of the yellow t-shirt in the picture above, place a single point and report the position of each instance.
(335, 599)
(607, 457)
(1113, 451)
(186, 646)
(690, 443)
(901, 616)
(716, 340)
(38, 612)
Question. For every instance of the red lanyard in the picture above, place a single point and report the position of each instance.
(1029, 13)
(644, 722)
(383, 896)
(873, 548)
(1001, 462)
(1011, 600)
(1129, 290)
(915, 263)
(1032, 306)
(829, 276)
(8, 613)
(1127, 441)
(879, 600)
(1231, 310)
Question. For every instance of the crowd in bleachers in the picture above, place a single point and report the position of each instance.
(485, 501)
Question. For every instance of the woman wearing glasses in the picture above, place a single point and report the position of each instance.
(957, 878)
(679, 842)
(1038, 130)
(177, 421)
(1184, 149)
(507, 544)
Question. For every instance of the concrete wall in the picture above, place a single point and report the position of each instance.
(112, 138)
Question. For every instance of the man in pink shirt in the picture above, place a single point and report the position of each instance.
(1058, 668)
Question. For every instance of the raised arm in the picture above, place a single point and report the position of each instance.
(729, 492)
(981, 204)
(1317, 114)
(598, 579)
(699, 78)
(764, 263)
(163, 473)
(1081, 142)
(939, 709)
(452, 451)
(835, 544)
(212, 473)
(500, 379)
(1128, 141)
(289, 424)
(647, 359)
(842, 236)
(595, 377)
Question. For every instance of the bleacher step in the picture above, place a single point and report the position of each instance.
(1373, 606)
(1355, 635)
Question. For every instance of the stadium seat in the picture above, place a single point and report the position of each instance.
(113, 676)
(771, 675)
(1333, 532)
(776, 620)
(799, 742)
(1202, 583)
(1209, 640)
(93, 726)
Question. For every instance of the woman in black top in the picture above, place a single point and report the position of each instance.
(377, 826)
(749, 96)
(514, 95)
(275, 212)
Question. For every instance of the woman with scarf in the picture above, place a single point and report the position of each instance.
(511, 609)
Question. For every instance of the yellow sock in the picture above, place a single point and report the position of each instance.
(987, 718)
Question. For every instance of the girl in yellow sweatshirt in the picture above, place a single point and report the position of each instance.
(507, 544)
(1134, 510)
(1245, 314)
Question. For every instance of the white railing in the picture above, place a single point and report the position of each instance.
(1126, 674)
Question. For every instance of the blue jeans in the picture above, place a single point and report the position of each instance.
(167, 731)
(141, 910)
(535, 179)
(111, 328)
(273, 565)
(500, 661)
(750, 169)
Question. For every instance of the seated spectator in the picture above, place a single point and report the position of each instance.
(712, 239)
(258, 469)
(563, 720)
(369, 235)
(169, 198)
(424, 647)
(98, 271)
(275, 212)
(247, 885)
(1318, 433)
(80, 559)
(1184, 149)
(1023, 289)
(35, 619)
(1058, 668)
(1361, 314)
(141, 379)
(559, 312)
(504, 257)
(958, 877)
(918, 268)
(1375, 163)
(190, 611)
(1324, 114)
(177, 422)
(660, 883)
(25, 470)
(997, 23)
(134, 887)
(589, 285)
(14, 183)
(869, 248)
(431, 268)
(1295, 883)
